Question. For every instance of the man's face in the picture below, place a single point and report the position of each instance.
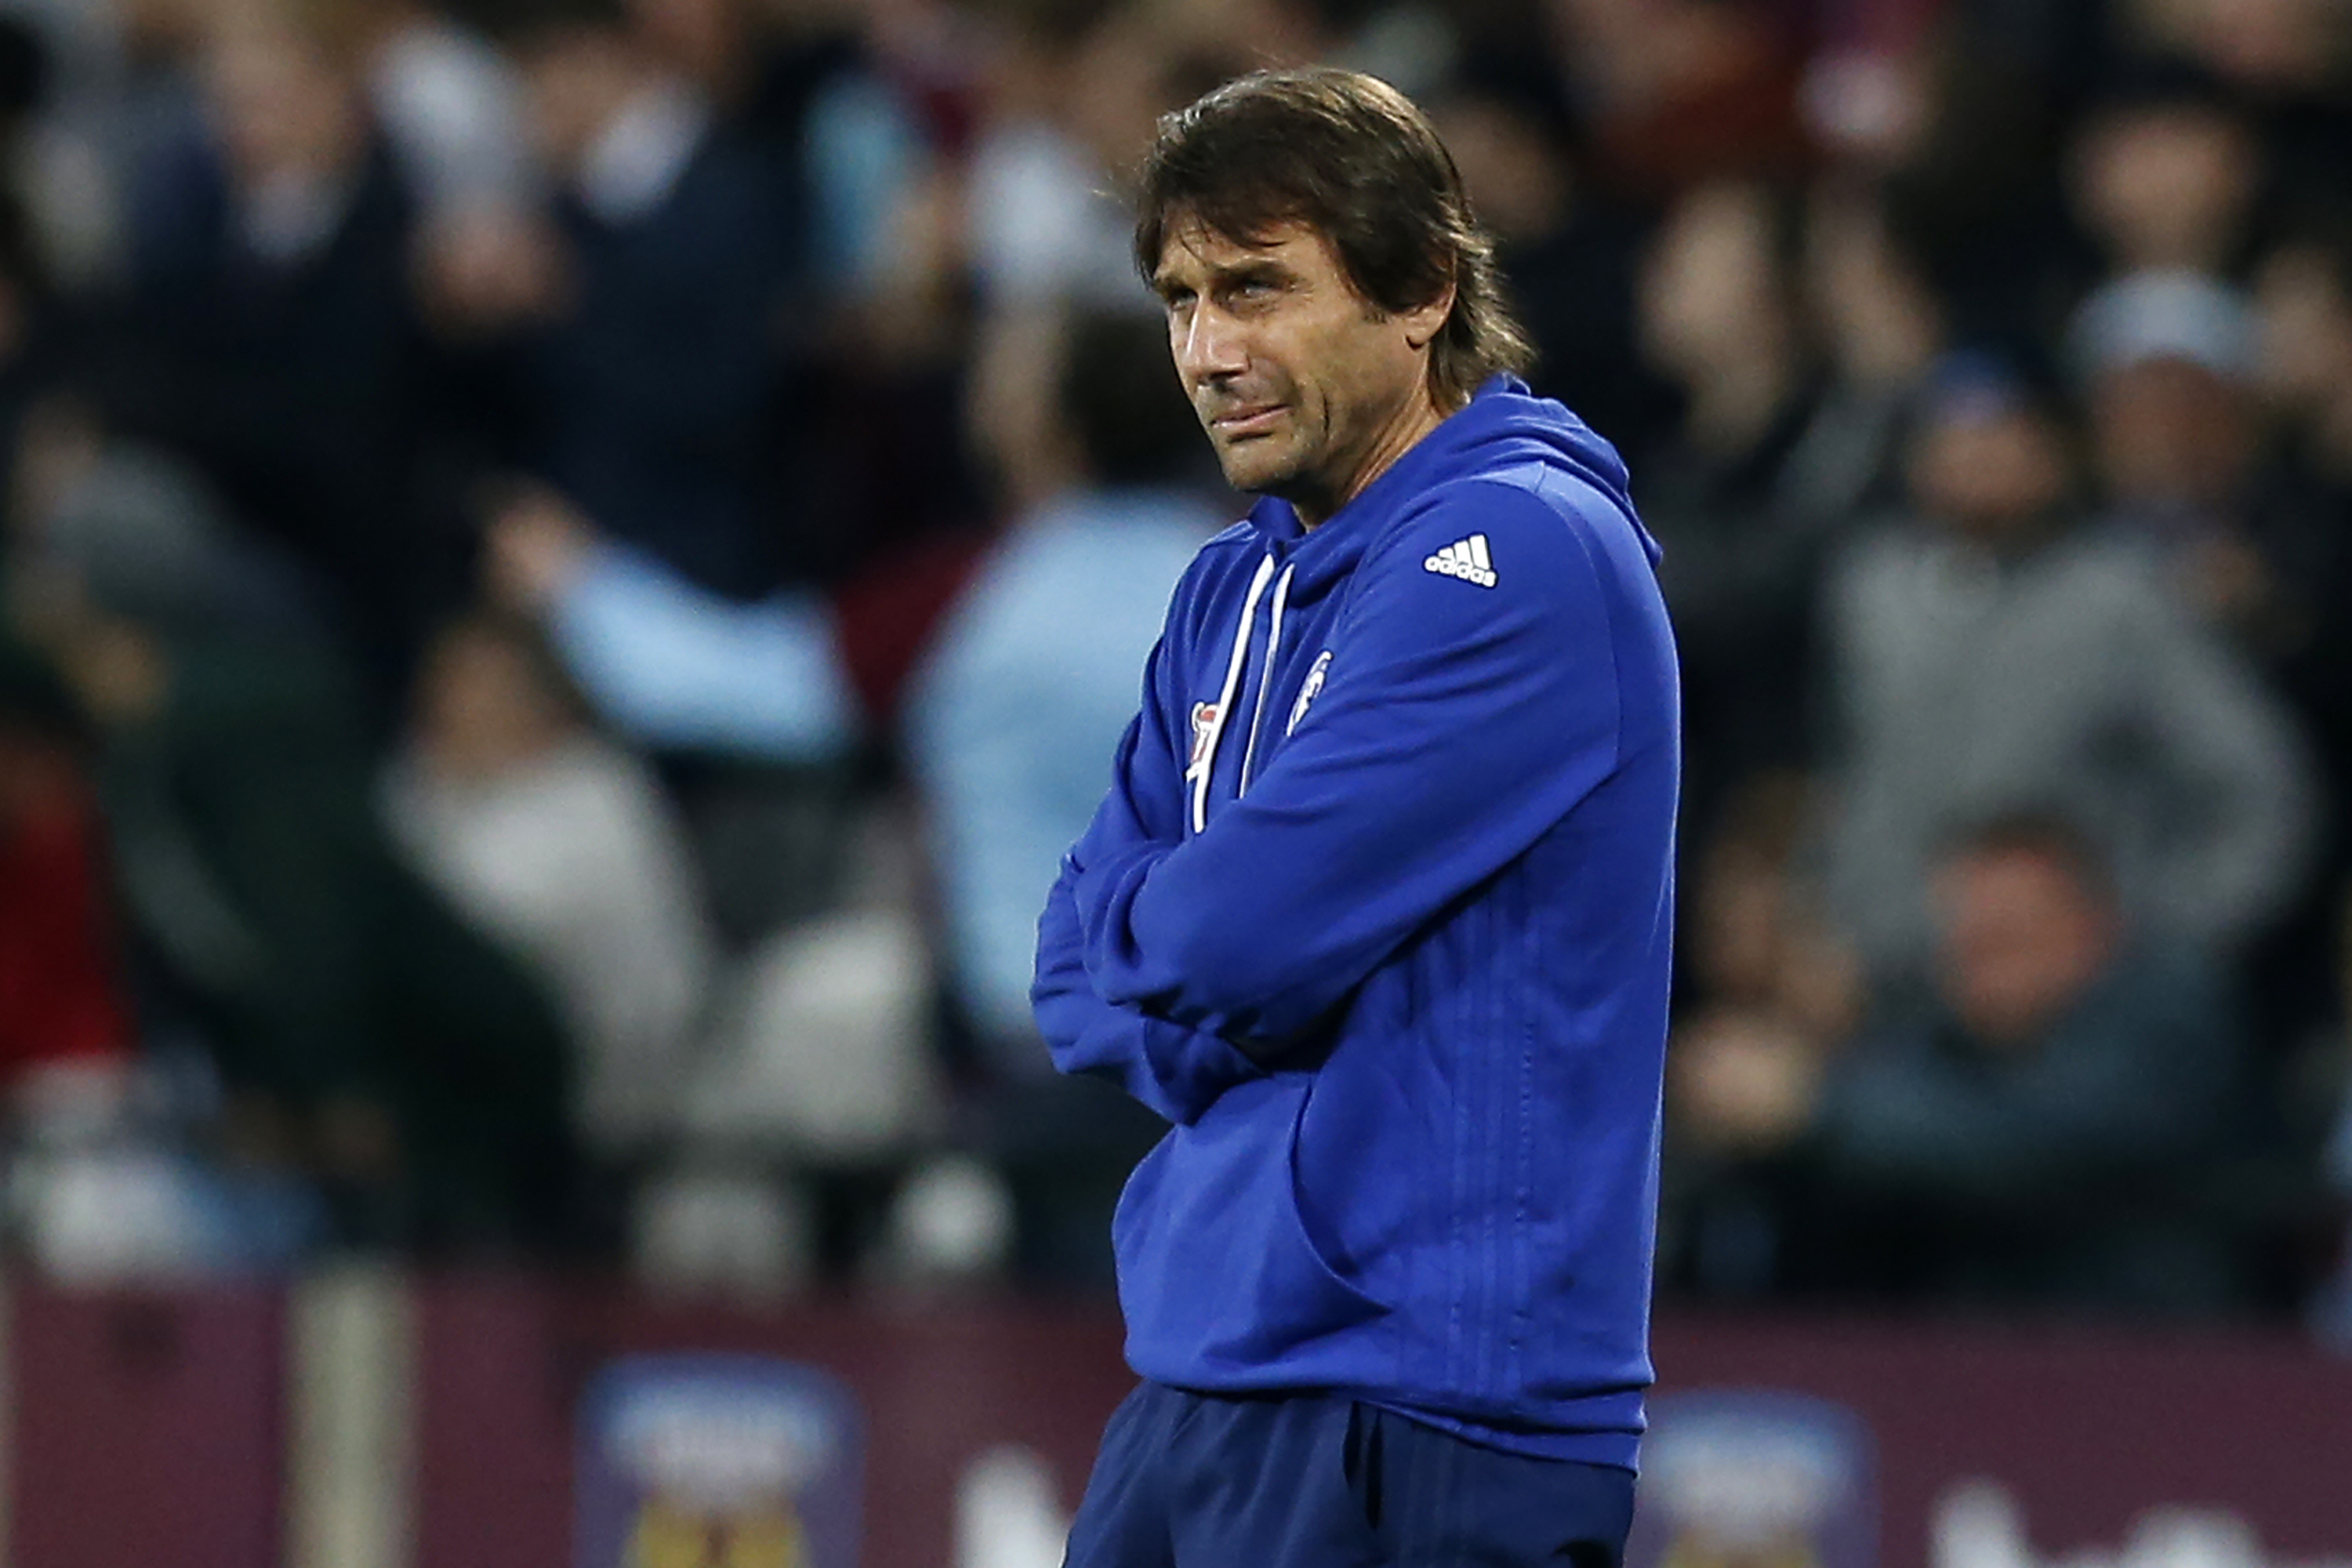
(2168, 431)
(1305, 390)
(2022, 939)
(1991, 475)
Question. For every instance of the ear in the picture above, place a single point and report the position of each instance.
(1424, 322)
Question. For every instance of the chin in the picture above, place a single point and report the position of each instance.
(1258, 477)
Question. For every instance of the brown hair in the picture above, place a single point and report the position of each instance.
(2047, 833)
(1352, 158)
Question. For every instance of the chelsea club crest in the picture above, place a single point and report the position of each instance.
(1307, 689)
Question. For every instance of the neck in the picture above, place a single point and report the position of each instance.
(2011, 538)
(1403, 431)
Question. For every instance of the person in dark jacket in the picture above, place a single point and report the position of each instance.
(269, 333)
(653, 397)
(2034, 1130)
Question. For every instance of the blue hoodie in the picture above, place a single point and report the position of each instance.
(1377, 913)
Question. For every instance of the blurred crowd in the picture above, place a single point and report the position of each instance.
(570, 567)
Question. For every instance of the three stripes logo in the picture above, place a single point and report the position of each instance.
(1467, 560)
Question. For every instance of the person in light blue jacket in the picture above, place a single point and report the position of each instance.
(1378, 910)
(1027, 685)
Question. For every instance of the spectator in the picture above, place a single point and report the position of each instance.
(2169, 360)
(816, 1085)
(558, 845)
(61, 996)
(1723, 315)
(449, 104)
(363, 1034)
(1571, 256)
(1018, 705)
(100, 1187)
(1073, 98)
(650, 399)
(2304, 306)
(96, 89)
(2167, 357)
(1075, 92)
(1015, 716)
(873, 115)
(269, 334)
(2254, 546)
(1977, 162)
(1769, 992)
(1881, 326)
(2166, 176)
(2035, 1132)
(1683, 94)
(1988, 654)
(2284, 62)
(672, 664)
(450, 107)
(2305, 311)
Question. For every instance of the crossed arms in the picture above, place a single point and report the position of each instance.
(1458, 724)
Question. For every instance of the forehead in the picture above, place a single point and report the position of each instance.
(2020, 869)
(1192, 249)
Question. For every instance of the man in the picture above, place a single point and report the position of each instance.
(1029, 682)
(1377, 911)
(1990, 652)
(2048, 1126)
(648, 397)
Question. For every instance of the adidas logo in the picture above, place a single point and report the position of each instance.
(1467, 560)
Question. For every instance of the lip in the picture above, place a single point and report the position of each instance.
(1248, 421)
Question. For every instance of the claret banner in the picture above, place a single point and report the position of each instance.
(520, 1422)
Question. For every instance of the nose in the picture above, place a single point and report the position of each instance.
(1209, 346)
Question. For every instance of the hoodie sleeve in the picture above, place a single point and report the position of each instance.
(2240, 801)
(1176, 1070)
(1459, 723)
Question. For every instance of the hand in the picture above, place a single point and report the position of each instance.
(486, 271)
(121, 673)
(537, 546)
(1745, 1083)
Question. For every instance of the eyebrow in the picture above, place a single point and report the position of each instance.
(1255, 270)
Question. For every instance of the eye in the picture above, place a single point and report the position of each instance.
(1254, 290)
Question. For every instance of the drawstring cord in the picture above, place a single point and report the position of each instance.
(1204, 760)
(1265, 677)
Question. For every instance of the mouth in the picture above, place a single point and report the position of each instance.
(1243, 423)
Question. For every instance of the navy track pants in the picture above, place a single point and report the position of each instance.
(1189, 1480)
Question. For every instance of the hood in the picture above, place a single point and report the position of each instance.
(1503, 426)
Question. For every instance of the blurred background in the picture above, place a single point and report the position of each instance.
(569, 567)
